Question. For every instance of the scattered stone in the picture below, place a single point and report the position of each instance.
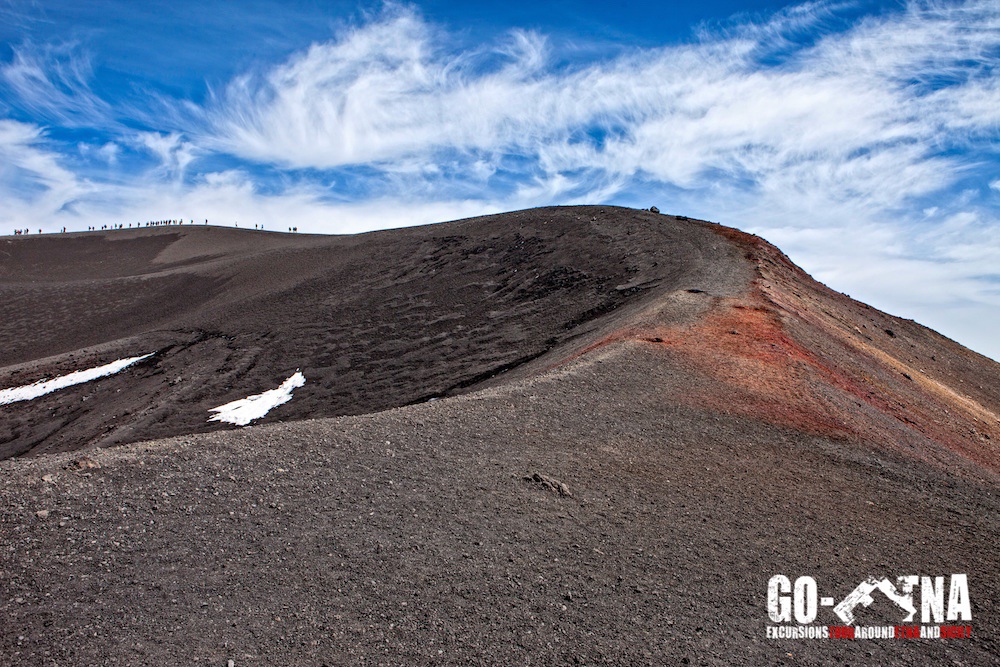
(653, 209)
(84, 463)
(50, 478)
(551, 484)
(42, 514)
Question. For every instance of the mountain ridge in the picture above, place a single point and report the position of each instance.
(630, 435)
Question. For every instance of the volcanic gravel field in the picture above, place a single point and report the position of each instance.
(574, 435)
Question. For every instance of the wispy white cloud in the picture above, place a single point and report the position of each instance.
(850, 118)
(172, 151)
(106, 153)
(34, 185)
(52, 82)
(383, 91)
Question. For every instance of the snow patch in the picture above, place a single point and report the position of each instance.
(31, 391)
(245, 410)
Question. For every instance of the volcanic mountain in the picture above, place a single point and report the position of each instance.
(568, 435)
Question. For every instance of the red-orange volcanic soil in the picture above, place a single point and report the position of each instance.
(794, 353)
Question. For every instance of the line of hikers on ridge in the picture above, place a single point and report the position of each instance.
(151, 223)
(139, 225)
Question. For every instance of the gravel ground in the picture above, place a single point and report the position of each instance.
(420, 536)
(623, 497)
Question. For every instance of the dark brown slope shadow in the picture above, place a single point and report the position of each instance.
(373, 321)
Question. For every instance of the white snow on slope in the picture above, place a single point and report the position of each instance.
(245, 410)
(30, 391)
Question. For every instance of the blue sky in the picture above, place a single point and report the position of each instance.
(860, 137)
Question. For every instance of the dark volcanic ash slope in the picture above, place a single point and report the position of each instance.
(373, 321)
(716, 416)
